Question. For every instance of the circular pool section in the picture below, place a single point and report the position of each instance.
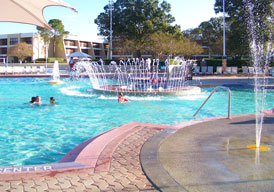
(44, 134)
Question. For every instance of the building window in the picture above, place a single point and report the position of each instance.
(3, 51)
(3, 42)
(27, 60)
(96, 45)
(85, 51)
(69, 43)
(84, 44)
(13, 41)
(69, 51)
(97, 52)
(27, 40)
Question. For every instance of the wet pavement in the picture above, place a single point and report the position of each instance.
(211, 156)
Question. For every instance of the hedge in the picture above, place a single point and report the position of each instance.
(50, 60)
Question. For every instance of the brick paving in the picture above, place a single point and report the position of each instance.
(123, 174)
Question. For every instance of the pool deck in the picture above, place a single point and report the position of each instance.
(198, 155)
(211, 156)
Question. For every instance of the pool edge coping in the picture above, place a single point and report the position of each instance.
(96, 145)
(84, 165)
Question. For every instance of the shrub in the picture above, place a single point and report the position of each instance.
(172, 62)
(50, 60)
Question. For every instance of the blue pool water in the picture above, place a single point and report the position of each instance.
(44, 134)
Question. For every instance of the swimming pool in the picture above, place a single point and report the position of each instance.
(44, 134)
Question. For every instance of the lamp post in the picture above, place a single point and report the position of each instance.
(46, 45)
(110, 36)
(224, 61)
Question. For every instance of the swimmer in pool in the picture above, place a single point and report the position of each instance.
(37, 100)
(121, 99)
(32, 100)
(52, 101)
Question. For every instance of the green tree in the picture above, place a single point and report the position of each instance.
(194, 34)
(238, 17)
(57, 33)
(212, 33)
(161, 44)
(188, 47)
(46, 35)
(209, 33)
(21, 51)
(136, 20)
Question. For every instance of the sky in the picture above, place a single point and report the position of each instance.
(187, 13)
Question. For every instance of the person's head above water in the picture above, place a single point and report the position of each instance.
(33, 99)
(121, 99)
(52, 100)
(38, 98)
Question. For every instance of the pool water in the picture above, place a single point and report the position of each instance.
(44, 134)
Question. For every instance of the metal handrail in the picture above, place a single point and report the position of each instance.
(229, 95)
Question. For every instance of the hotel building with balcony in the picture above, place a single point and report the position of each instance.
(98, 49)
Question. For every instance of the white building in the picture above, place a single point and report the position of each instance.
(97, 49)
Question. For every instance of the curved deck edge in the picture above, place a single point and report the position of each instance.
(82, 159)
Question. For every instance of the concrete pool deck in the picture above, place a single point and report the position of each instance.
(199, 155)
(211, 156)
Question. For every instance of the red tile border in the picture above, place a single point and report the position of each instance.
(72, 155)
(103, 162)
(48, 173)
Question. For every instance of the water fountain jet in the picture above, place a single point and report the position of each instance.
(55, 75)
(140, 77)
(261, 48)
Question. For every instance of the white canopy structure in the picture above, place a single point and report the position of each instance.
(79, 55)
(28, 11)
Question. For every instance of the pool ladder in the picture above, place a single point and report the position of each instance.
(216, 88)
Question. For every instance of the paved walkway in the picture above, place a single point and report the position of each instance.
(124, 174)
